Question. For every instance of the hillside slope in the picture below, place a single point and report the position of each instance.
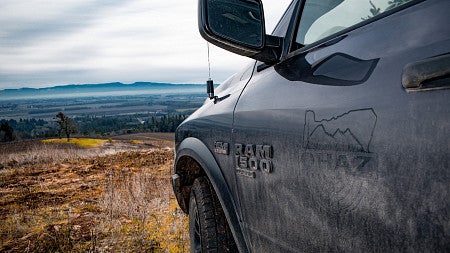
(114, 198)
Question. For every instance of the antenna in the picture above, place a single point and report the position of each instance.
(210, 82)
(209, 62)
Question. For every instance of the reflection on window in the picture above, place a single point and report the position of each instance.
(324, 18)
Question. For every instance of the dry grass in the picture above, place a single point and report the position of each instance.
(80, 142)
(66, 199)
(14, 155)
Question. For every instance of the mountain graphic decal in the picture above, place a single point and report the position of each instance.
(350, 131)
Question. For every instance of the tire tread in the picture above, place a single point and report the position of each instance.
(215, 232)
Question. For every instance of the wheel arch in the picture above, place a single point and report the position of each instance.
(194, 159)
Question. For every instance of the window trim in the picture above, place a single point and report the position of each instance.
(290, 34)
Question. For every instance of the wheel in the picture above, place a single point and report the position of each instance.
(208, 228)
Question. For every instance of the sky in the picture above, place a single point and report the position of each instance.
(47, 43)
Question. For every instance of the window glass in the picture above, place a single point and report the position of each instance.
(323, 18)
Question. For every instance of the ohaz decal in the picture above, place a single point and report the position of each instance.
(339, 142)
(337, 159)
(332, 160)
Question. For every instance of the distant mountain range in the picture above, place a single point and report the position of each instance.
(108, 86)
(103, 89)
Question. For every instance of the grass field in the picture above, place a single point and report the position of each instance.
(81, 142)
(95, 196)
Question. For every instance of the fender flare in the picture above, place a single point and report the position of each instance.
(197, 150)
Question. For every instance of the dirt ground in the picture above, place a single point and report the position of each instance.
(114, 198)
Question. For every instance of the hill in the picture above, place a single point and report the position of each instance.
(100, 90)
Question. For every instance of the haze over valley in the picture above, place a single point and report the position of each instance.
(100, 109)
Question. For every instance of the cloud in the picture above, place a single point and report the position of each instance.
(45, 43)
(25, 22)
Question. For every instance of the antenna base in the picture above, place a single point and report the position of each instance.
(210, 89)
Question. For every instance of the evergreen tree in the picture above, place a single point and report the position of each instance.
(9, 131)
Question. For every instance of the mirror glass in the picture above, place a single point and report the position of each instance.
(237, 20)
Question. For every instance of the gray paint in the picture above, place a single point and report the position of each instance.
(360, 167)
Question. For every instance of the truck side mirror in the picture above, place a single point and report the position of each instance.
(238, 26)
(239, 21)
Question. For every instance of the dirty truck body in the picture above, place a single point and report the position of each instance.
(339, 142)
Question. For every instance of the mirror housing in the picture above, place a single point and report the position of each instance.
(238, 26)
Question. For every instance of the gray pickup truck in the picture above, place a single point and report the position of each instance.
(335, 139)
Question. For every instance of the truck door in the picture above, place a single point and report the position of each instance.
(331, 151)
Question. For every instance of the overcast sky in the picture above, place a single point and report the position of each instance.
(46, 43)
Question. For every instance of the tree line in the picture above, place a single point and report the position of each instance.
(65, 126)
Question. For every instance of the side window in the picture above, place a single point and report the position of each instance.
(323, 18)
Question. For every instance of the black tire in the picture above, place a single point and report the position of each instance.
(208, 227)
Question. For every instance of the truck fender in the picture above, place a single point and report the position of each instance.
(197, 150)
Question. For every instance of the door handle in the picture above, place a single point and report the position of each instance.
(429, 73)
